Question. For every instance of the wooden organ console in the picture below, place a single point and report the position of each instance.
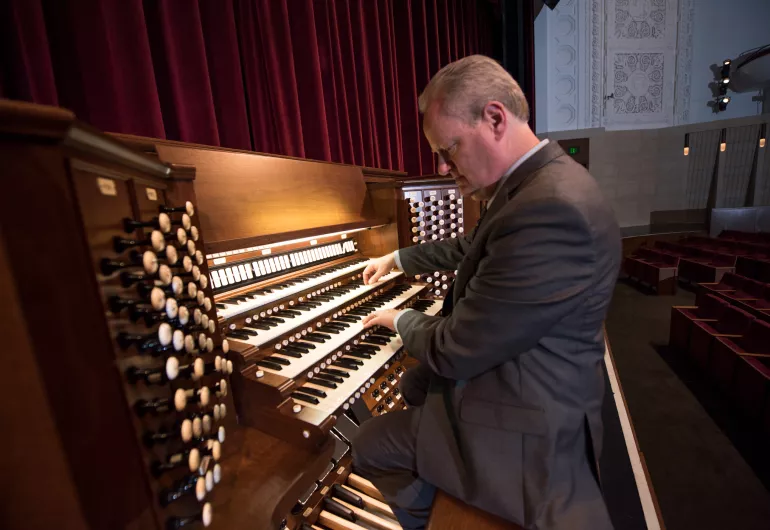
(189, 334)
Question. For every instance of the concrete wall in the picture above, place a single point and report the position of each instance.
(644, 173)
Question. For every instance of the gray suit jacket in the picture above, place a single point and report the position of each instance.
(513, 413)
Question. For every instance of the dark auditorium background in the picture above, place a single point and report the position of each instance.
(666, 102)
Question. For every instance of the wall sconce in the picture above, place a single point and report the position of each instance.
(762, 135)
(686, 144)
(723, 141)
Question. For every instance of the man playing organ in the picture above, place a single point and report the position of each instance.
(507, 399)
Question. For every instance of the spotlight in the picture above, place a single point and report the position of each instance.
(722, 103)
(726, 80)
(726, 62)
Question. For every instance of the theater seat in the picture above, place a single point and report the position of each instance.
(749, 290)
(752, 385)
(709, 308)
(726, 353)
(449, 513)
(733, 323)
(730, 282)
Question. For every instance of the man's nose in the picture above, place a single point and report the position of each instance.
(443, 166)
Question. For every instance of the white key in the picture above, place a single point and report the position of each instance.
(249, 305)
(215, 280)
(321, 351)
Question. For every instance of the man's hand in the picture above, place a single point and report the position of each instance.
(378, 268)
(381, 318)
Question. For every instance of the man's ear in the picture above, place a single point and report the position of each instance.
(494, 115)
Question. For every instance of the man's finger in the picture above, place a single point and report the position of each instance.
(375, 277)
(368, 272)
(368, 319)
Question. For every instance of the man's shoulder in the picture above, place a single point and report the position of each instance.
(561, 185)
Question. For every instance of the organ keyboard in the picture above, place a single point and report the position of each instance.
(207, 365)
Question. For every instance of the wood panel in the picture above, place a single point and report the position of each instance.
(449, 513)
(246, 196)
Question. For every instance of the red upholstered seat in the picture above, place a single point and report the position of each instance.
(701, 265)
(726, 352)
(733, 323)
(749, 290)
(709, 308)
(751, 386)
(729, 282)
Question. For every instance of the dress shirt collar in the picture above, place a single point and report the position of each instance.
(515, 166)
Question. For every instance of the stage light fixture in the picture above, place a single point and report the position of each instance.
(722, 102)
(726, 80)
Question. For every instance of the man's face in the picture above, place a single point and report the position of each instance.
(463, 149)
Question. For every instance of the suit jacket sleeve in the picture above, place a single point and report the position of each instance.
(537, 267)
(434, 256)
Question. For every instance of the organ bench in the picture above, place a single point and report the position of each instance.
(185, 328)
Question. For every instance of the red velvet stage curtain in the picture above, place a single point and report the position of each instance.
(333, 80)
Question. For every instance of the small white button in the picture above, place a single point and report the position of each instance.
(172, 368)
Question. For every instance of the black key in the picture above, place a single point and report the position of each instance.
(258, 325)
(360, 355)
(220, 306)
(278, 360)
(305, 345)
(249, 332)
(314, 339)
(303, 397)
(312, 391)
(271, 365)
(335, 372)
(352, 361)
(296, 349)
(319, 335)
(328, 377)
(347, 496)
(338, 509)
(289, 353)
(235, 335)
(320, 381)
(343, 364)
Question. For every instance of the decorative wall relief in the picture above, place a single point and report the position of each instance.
(638, 83)
(641, 63)
(640, 19)
(621, 64)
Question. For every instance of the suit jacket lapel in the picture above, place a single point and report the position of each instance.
(514, 181)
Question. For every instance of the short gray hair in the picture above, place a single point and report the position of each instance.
(465, 87)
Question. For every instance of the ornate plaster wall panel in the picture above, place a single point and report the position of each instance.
(622, 64)
(575, 63)
(685, 26)
(641, 63)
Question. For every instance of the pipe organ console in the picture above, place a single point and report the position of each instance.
(187, 328)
